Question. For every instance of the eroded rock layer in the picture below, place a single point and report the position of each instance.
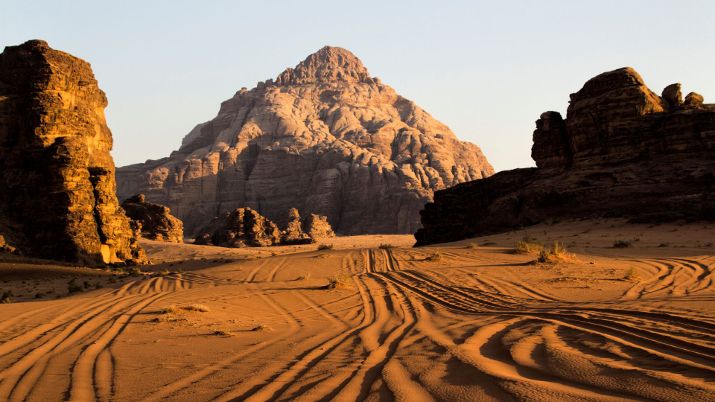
(155, 221)
(243, 227)
(57, 197)
(325, 138)
(622, 151)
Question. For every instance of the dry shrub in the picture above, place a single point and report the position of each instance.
(169, 310)
(434, 257)
(386, 246)
(342, 281)
(621, 244)
(196, 307)
(325, 247)
(528, 246)
(557, 252)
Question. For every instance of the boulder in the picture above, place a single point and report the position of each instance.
(293, 233)
(693, 100)
(317, 227)
(58, 188)
(323, 137)
(243, 227)
(621, 152)
(673, 96)
(154, 221)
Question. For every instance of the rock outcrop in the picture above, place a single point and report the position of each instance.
(317, 227)
(293, 233)
(57, 197)
(622, 151)
(325, 138)
(241, 228)
(155, 221)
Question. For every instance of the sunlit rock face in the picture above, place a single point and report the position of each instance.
(323, 137)
(622, 151)
(57, 185)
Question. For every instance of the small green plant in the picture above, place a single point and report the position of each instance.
(386, 246)
(73, 286)
(325, 247)
(7, 297)
(621, 244)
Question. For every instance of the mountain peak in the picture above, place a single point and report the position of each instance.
(329, 64)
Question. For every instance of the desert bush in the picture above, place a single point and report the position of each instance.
(386, 246)
(528, 246)
(557, 252)
(342, 281)
(169, 310)
(196, 307)
(630, 275)
(621, 244)
(7, 297)
(73, 286)
(434, 257)
(325, 247)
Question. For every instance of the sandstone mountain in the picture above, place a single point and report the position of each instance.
(57, 186)
(155, 221)
(323, 137)
(622, 151)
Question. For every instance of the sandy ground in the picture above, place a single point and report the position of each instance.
(465, 321)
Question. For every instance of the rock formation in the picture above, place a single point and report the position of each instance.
(293, 233)
(325, 138)
(240, 228)
(58, 196)
(155, 221)
(317, 227)
(622, 151)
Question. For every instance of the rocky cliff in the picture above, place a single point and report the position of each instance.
(323, 137)
(622, 151)
(57, 188)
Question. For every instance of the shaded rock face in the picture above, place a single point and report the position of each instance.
(325, 138)
(154, 221)
(241, 228)
(622, 151)
(58, 197)
(318, 227)
(293, 233)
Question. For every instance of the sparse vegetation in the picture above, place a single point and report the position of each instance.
(528, 245)
(630, 275)
(259, 327)
(164, 272)
(557, 252)
(221, 332)
(7, 297)
(73, 286)
(325, 247)
(169, 310)
(196, 307)
(340, 282)
(621, 243)
(472, 246)
(434, 257)
(386, 246)
(136, 271)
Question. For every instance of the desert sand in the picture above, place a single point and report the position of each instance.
(470, 320)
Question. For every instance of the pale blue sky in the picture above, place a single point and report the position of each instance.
(486, 69)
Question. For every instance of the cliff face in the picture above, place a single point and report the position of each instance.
(622, 151)
(325, 138)
(58, 196)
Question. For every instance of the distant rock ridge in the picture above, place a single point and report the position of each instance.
(325, 138)
(57, 185)
(622, 151)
